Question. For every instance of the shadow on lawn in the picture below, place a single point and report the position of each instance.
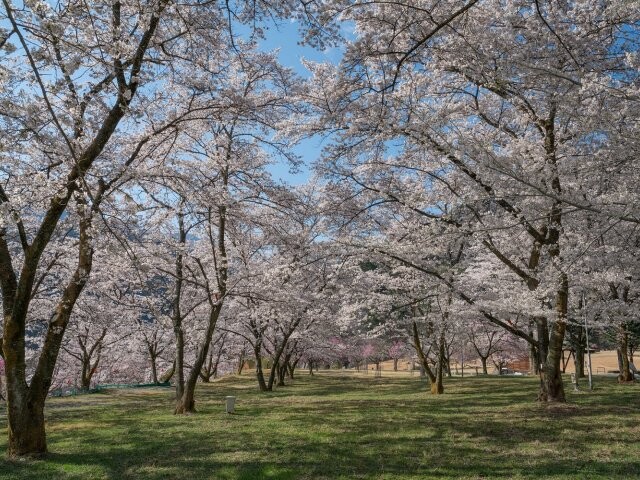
(333, 427)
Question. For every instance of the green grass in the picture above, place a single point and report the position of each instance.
(334, 426)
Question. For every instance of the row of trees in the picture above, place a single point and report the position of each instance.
(480, 179)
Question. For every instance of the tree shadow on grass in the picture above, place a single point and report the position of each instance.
(337, 428)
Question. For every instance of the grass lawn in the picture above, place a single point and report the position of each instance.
(335, 426)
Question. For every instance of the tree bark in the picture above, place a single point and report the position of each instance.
(578, 360)
(168, 375)
(623, 353)
(551, 386)
(436, 387)
(262, 384)
(154, 370)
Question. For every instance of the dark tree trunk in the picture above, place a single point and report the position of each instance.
(578, 360)
(439, 387)
(551, 387)
(26, 428)
(154, 369)
(241, 363)
(185, 403)
(436, 385)
(85, 376)
(534, 360)
(483, 360)
(395, 364)
(291, 367)
(623, 354)
(259, 372)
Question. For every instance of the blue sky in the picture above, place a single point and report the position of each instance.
(285, 37)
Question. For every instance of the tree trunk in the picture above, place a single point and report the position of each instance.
(310, 367)
(578, 360)
(186, 404)
(623, 353)
(85, 377)
(154, 369)
(395, 364)
(168, 375)
(259, 372)
(439, 388)
(26, 425)
(551, 387)
(240, 364)
(291, 367)
(534, 361)
(281, 372)
(435, 386)
(483, 360)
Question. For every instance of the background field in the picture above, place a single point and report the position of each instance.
(343, 426)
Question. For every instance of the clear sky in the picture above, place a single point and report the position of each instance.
(285, 37)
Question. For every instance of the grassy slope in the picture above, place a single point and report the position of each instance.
(339, 427)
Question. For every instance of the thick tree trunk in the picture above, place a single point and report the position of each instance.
(435, 382)
(26, 426)
(186, 404)
(310, 367)
(395, 364)
(551, 386)
(85, 377)
(483, 360)
(623, 353)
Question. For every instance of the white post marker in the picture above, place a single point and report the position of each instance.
(230, 403)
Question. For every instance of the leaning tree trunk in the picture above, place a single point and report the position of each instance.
(186, 402)
(168, 375)
(436, 387)
(25, 403)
